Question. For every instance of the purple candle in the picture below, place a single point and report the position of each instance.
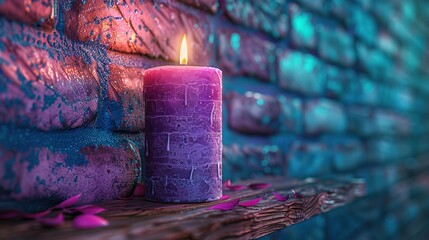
(183, 161)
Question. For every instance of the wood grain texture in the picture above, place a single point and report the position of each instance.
(136, 218)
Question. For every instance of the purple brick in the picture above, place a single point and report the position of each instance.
(151, 28)
(47, 81)
(291, 114)
(303, 29)
(324, 116)
(210, 5)
(301, 72)
(336, 45)
(308, 159)
(254, 113)
(250, 161)
(241, 53)
(269, 17)
(41, 13)
(358, 120)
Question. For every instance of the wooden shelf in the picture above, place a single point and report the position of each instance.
(137, 218)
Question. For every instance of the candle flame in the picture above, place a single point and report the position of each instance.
(184, 51)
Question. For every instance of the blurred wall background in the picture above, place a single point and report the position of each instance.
(312, 88)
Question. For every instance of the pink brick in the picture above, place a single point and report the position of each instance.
(49, 83)
(240, 53)
(141, 27)
(42, 13)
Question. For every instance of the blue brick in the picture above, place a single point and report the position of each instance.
(324, 116)
(374, 61)
(308, 159)
(358, 120)
(347, 154)
(363, 24)
(361, 90)
(290, 114)
(301, 72)
(336, 45)
(391, 123)
(303, 29)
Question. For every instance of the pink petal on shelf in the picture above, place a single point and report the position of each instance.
(225, 206)
(90, 209)
(229, 186)
(68, 202)
(250, 203)
(37, 215)
(139, 190)
(256, 186)
(9, 214)
(224, 197)
(52, 221)
(280, 197)
(297, 195)
(88, 221)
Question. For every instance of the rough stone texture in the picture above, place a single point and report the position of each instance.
(269, 17)
(303, 29)
(151, 28)
(336, 45)
(42, 169)
(47, 82)
(239, 53)
(301, 72)
(37, 13)
(324, 116)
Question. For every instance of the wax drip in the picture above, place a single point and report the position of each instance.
(168, 142)
(211, 114)
(219, 169)
(186, 96)
(192, 173)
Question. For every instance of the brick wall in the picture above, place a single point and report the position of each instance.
(312, 88)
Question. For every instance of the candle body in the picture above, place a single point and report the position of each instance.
(183, 155)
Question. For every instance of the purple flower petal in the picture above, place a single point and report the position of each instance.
(68, 202)
(229, 186)
(37, 215)
(90, 209)
(256, 186)
(139, 190)
(52, 221)
(280, 197)
(87, 221)
(225, 206)
(224, 197)
(297, 195)
(9, 214)
(250, 203)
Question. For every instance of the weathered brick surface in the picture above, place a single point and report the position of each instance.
(37, 13)
(300, 72)
(309, 159)
(336, 45)
(151, 28)
(303, 29)
(252, 161)
(269, 17)
(324, 116)
(240, 53)
(47, 82)
(254, 113)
